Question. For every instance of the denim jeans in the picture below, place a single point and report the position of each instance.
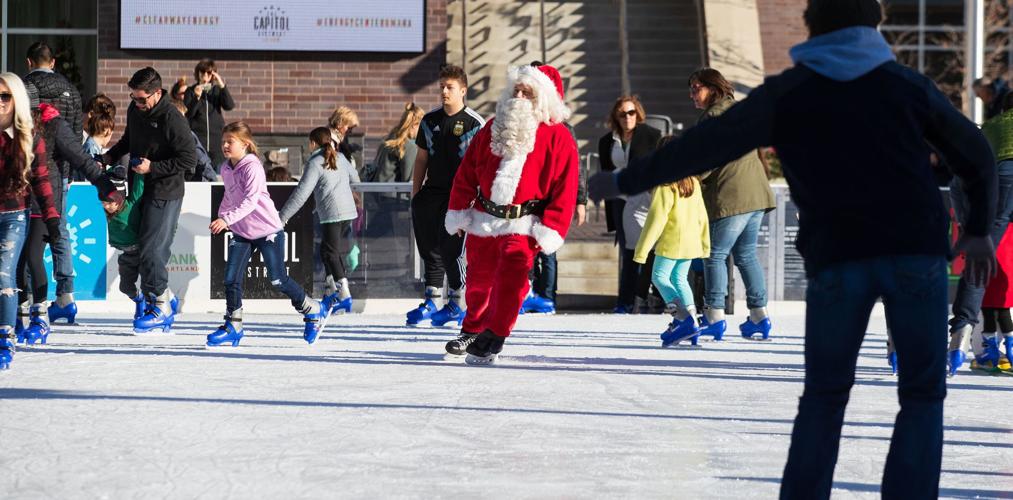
(63, 254)
(839, 300)
(13, 232)
(544, 281)
(158, 228)
(737, 235)
(272, 249)
(967, 303)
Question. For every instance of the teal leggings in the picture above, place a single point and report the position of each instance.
(671, 276)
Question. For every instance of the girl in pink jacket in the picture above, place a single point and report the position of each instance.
(248, 212)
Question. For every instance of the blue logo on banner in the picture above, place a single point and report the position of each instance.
(86, 222)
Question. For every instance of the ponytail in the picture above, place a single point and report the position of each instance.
(321, 136)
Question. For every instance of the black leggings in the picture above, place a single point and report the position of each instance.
(994, 316)
(30, 261)
(334, 247)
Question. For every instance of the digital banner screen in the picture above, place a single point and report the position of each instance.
(292, 25)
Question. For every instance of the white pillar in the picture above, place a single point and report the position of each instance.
(974, 22)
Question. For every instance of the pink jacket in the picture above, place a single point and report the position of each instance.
(247, 207)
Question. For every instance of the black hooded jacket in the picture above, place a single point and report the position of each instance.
(162, 136)
(56, 90)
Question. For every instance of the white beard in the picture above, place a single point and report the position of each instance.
(513, 131)
(513, 138)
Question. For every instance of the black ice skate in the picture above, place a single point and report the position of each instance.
(458, 345)
(484, 349)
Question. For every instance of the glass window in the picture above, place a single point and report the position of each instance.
(944, 12)
(76, 14)
(901, 12)
(76, 57)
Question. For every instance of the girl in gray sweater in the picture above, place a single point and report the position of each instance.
(329, 177)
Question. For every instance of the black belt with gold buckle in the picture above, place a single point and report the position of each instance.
(510, 212)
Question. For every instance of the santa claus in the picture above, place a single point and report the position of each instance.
(514, 195)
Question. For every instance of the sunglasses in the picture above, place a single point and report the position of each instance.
(6, 97)
(631, 112)
(140, 100)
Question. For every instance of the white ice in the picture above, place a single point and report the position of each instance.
(580, 406)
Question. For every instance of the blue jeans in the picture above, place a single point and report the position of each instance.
(63, 254)
(671, 278)
(967, 303)
(737, 235)
(544, 271)
(272, 249)
(13, 232)
(839, 300)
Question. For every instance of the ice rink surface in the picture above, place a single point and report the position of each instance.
(580, 406)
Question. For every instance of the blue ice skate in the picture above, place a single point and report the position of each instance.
(623, 309)
(421, 313)
(680, 330)
(314, 324)
(989, 358)
(38, 328)
(892, 359)
(717, 330)
(153, 319)
(67, 312)
(141, 305)
(226, 334)
(1009, 348)
(449, 314)
(535, 303)
(6, 350)
(749, 329)
(335, 304)
(954, 360)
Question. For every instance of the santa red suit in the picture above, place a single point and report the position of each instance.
(514, 194)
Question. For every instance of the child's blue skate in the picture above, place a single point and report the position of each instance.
(315, 324)
(680, 330)
(227, 333)
(6, 350)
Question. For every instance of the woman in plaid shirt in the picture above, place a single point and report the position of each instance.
(22, 172)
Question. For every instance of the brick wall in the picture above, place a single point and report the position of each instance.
(290, 93)
(781, 27)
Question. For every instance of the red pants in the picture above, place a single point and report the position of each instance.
(497, 281)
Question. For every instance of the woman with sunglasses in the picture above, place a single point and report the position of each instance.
(736, 195)
(22, 172)
(629, 138)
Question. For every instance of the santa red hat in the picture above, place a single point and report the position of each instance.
(547, 84)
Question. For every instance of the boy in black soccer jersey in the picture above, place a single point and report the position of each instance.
(443, 138)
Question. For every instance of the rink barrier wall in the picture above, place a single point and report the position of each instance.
(386, 276)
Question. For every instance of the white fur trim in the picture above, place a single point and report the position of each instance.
(483, 224)
(508, 177)
(549, 107)
(547, 238)
(457, 220)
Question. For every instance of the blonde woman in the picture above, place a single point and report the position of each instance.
(395, 159)
(23, 172)
(341, 122)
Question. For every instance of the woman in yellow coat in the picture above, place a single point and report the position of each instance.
(677, 229)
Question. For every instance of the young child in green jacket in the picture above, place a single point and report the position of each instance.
(678, 230)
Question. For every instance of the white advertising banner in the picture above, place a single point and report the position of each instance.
(284, 25)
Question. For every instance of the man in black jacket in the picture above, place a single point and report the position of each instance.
(54, 88)
(853, 128)
(162, 150)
